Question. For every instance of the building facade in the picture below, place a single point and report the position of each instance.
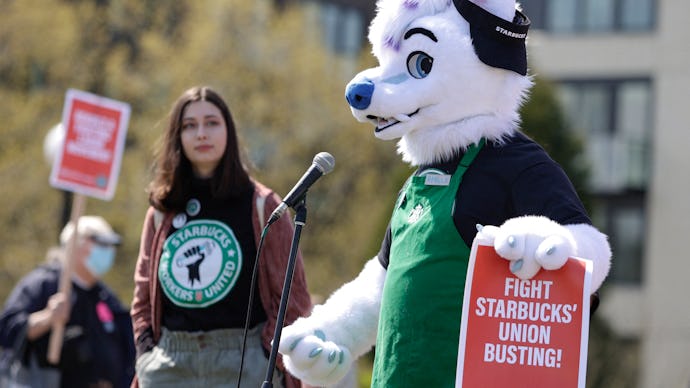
(623, 67)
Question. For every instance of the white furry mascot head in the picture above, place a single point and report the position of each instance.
(433, 88)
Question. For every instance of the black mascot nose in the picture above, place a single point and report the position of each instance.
(358, 93)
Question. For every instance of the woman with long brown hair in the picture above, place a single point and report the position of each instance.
(197, 255)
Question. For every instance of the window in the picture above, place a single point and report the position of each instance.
(626, 231)
(560, 15)
(615, 119)
(343, 28)
(637, 14)
(577, 16)
(598, 15)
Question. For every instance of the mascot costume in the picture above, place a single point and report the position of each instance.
(452, 75)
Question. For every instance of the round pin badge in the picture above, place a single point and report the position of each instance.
(193, 207)
(179, 220)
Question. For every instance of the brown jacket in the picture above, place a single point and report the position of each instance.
(146, 306)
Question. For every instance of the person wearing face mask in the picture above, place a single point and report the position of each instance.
(98, 346)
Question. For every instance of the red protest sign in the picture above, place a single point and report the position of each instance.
(89, 159)
(523, 333)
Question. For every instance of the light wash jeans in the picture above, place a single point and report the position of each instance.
(206, 360)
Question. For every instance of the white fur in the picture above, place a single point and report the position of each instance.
(530, 238)
(348, 321)
(593, 245)
(393, 19)
(454, 112)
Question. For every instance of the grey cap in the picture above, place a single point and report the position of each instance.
(92, 227)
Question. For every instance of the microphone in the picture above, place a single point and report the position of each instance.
(323, 164)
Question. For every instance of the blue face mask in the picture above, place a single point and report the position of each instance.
(100, 259)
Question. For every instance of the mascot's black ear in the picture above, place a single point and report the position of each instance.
(497, 42)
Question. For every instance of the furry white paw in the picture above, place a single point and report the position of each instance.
(309, 356)
(530, 243)
(486, 234)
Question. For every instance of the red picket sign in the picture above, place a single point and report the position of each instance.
(88, 163)
(89, 159)
(523, 333)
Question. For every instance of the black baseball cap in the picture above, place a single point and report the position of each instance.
(497, 42)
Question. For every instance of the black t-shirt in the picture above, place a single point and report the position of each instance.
(227, 307)
(92, 349)
(506, 180)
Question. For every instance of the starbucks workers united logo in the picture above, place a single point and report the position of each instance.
(200, 263)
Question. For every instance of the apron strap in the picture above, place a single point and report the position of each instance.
(471, 153)
(467, 159)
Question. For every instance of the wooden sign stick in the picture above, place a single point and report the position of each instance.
(65, 286)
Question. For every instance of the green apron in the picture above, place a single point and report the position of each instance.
(421, 306)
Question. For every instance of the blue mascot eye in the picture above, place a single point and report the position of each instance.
(419, 64)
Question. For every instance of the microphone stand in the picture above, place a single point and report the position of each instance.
(300, 219)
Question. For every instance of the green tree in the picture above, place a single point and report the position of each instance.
(285, 90)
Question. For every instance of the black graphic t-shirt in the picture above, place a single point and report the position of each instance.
(207, 262)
